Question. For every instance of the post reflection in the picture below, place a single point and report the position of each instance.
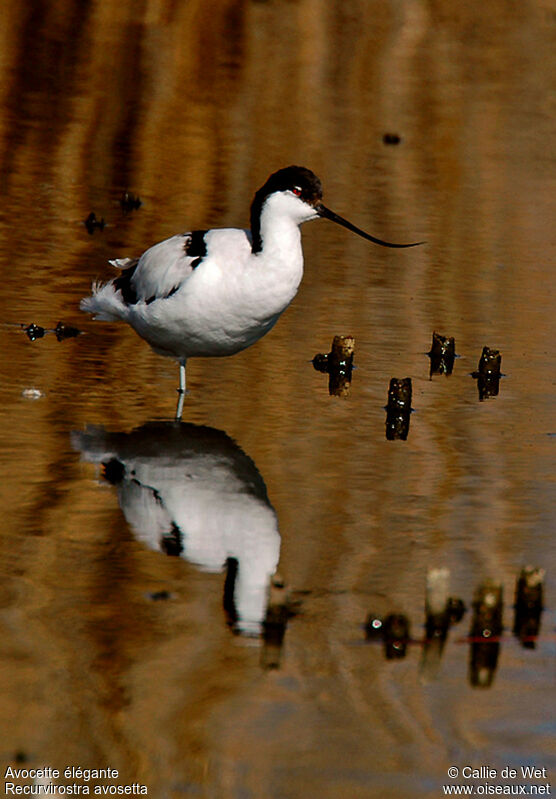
(191, 491)
(486, 634)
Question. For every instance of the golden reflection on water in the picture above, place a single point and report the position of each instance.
(191, 106)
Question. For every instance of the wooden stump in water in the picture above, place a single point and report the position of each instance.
(398, 410)
(442, 355)
(338, 363)
(488, 373)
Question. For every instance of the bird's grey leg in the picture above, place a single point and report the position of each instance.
(181, 391)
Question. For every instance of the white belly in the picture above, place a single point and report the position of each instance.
(219, 310)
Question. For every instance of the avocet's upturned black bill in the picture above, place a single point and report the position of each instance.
(211, 293)
(326, 213)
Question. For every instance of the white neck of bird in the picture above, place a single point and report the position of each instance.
(281, 216)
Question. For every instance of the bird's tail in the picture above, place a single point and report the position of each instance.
(105, 303)
(93, 443)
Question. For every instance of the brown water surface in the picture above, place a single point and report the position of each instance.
(191, 105)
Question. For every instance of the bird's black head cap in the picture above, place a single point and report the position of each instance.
(298, 179)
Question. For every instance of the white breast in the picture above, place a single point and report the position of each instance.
(229, 301)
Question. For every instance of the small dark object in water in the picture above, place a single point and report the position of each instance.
(398, 410)
(486, 629)
(374, 627)
(158, 596)
(442, 355)
(391, 138)
(320, 362)
(338, 363)
(129, 202)
(488, 373)
(528, 605)
(396, 635)
(92, 222)
(278, 613)
(63, 331)
(34, 331)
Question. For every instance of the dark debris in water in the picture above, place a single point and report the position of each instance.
(129, 202)
(160, 596)
(391, 138)
(61, 331)
(34, 331)
(92, 223)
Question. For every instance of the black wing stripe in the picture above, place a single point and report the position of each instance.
(123, 283)
(196, 246)
(163, 296)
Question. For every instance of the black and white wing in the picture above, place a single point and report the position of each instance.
(161, 270)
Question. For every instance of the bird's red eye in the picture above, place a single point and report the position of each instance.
(297, 191)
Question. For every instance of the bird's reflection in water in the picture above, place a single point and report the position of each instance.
(190, 491)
